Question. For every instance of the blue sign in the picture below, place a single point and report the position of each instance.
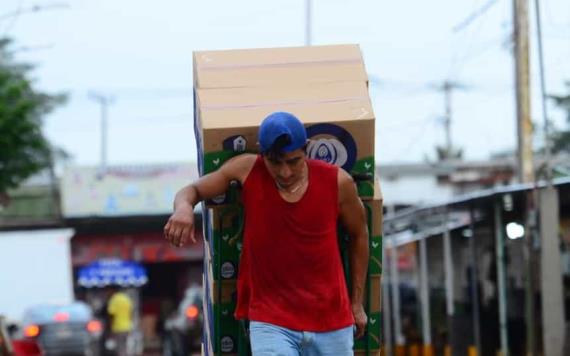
(106, 272)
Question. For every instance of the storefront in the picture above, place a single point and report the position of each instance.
(120, 213)
(169, 270)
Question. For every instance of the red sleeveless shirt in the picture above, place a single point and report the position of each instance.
(291, 273)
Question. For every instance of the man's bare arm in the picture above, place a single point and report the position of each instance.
(353, 218)
(180, 225)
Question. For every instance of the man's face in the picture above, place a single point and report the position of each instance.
(287, 169)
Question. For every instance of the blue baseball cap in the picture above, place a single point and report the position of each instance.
(278, 124)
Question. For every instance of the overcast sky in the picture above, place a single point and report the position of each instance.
(140, 52)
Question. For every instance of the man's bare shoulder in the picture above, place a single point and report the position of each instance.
(242, 160)
(239, 166)
(346, 186)
(344, 179)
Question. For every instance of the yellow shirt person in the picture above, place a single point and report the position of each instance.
(120, 309)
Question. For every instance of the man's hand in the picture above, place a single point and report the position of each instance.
(180, 227)
(360, 319)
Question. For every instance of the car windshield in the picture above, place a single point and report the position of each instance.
(47, 313)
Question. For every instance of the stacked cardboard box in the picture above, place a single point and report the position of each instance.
(326, 87)
(338, 117)
(272, 67)
(223, 335)
(370, 344)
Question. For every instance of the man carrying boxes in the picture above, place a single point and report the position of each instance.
(291, 283)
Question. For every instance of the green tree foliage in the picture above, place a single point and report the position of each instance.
(561, 138)
(24, 150)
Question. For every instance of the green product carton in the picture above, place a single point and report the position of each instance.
(224, 249)
(372, 337)
(221, 330)
(220, 267)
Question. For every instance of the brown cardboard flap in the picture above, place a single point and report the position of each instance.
(309, 113)
(204, 60)
(272, 76)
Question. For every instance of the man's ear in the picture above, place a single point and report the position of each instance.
(306, 145)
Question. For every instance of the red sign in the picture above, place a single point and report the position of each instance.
(146, 247)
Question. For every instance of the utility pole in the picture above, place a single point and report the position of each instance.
(522, 79)
(525, 158)
(308, 22)
(447, 87)
(104, 101)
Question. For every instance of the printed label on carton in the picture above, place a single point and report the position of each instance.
(219, 199)
(375, 263)
(227, 344)
(228, 270)
(214, 160)
(235, 143)
(332, 144)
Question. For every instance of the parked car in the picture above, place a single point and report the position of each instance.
(63, 329)
(183, 329)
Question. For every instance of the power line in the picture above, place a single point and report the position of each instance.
(473, 16)
(145, 93)
(15, 15)
(551, 23)
(32, 9)
(496, 42)
(417, 138)
(458, 62)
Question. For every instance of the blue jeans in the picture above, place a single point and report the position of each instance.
(272, 340)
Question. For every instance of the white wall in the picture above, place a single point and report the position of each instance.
(414, 190)
(35, 268)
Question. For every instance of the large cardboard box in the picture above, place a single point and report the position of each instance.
(277, 66)
(207, 345)
(221, 330)
(374, 211)
(223, 240)
(375, 294)
(221, 266)
(338, 117)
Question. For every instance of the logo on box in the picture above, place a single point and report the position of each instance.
(332, 144)
(235, 144)
(228, 270)
(227, 344)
